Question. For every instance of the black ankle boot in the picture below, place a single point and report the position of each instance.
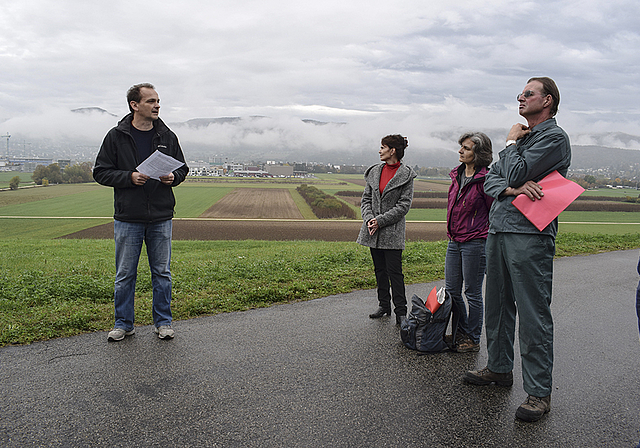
(379, 313)
(400, 318)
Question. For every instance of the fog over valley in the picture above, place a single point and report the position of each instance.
(77, 134)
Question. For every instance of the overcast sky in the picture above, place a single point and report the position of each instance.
(418, 68)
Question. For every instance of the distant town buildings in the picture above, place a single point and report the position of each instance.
(26, 164)
(219, 168)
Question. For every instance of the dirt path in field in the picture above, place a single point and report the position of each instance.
(255, 203)
(319, 230)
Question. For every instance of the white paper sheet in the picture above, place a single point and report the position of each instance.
(158, 164)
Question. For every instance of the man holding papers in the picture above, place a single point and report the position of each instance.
(519, 256)
(143, 205)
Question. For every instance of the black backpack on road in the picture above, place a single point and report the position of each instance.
(424, 331)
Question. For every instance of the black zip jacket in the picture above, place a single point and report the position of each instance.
(118, 158)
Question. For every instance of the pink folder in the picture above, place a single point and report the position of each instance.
(558, 194)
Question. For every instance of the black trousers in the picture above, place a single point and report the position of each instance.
(387, 264)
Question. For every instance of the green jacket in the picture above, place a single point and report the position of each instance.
(545, 149)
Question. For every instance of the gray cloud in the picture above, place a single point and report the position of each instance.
(424, 69)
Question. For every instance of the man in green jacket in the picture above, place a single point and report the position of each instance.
(519, 256)
(143, 207)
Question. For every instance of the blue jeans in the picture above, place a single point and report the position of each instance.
(466, 263)
(129, 237)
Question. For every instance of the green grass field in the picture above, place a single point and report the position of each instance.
(6, 176)
(613, 192)
(194, 198)
(52, 288)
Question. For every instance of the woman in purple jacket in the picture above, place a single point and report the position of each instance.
(467, 228)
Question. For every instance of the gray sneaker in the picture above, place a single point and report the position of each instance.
(118, 334)
(534, 408)
(485, 377)
(164, 331)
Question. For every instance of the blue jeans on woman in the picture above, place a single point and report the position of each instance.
(129, 237)
(465, 263)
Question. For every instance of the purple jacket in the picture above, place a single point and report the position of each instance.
(468, 215)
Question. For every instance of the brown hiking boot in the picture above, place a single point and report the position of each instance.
(534, 408)
(466, 345)
(485, 377)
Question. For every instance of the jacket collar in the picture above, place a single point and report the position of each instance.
(403, 175)
(124, 125)
(457, 172)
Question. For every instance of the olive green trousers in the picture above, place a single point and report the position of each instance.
(519, 281)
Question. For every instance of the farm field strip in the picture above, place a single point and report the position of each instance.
(418, 185)
(255, 203)
(40, 212)
(209, 218)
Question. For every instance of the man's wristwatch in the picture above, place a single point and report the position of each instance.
(511, 142)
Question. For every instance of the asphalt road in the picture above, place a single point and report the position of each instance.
(321, 373)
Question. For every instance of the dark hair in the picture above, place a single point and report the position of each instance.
(549, 87)
(482, 149)
(134, 94)
(397, 142)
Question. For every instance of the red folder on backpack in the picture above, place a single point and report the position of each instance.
(432, 303)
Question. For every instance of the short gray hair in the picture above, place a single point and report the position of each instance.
(482, 149)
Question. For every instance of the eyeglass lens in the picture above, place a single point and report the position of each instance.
(526, 94)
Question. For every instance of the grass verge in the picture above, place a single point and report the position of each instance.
(55, 288)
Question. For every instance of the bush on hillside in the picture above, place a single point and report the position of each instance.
(14, 182)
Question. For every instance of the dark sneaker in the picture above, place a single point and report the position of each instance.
(534, 408)
(118, 334)
(164, 331)
(485, 377)
(466, 345)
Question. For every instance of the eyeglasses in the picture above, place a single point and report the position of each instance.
(529, 93)
(525, 94)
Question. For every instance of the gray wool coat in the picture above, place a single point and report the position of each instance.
(389, 208)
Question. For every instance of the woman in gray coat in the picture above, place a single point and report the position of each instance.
(385, 202)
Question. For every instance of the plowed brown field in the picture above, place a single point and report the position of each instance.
(318, 230)
(255, 203)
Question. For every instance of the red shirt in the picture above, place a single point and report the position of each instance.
(388, 171)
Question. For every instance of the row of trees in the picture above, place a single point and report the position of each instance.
(324, 205)
(52, 174)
